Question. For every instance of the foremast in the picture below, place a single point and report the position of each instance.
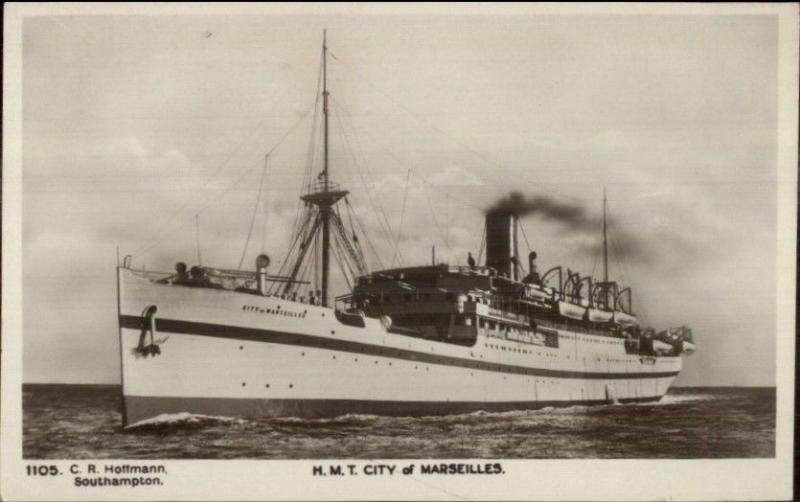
(321, 215)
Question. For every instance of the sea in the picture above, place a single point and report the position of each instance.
(84, 422)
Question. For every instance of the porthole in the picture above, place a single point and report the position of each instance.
(243, 384)
(334, 357)
(333, 332)
(267, 386)
(291, 385)
(241, 347)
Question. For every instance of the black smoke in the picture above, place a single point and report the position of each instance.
(576, 218)
(570, 215)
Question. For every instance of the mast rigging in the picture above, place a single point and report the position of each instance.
(321, 197)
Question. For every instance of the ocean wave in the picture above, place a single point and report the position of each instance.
(181, 420)
(347, 419)
(683, 398)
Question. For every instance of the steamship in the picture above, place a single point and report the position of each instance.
(431, 339)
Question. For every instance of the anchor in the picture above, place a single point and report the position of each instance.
(148, 324)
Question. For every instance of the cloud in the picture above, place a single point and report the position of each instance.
(456, 176)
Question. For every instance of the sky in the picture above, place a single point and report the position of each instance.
(148, 133)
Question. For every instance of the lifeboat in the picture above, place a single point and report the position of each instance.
(688, 347)
(624, 319)
(662, 348)
(534, 292)
(596, 315)
(571, 310)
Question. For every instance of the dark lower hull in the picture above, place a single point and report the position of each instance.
(139, 408)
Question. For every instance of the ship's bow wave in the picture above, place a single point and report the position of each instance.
(178, 421)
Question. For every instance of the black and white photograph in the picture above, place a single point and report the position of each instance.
(441, 251)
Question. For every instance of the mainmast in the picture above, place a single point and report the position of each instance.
(605, 240)
(325, 105)
(325, 211)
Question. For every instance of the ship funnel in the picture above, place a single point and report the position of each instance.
(501, 243)
(262, 262)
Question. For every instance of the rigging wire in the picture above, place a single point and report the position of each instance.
(530, 250)
(485, 158)
(402, 163)
(309, 215)
(356, 244)
(343, 264)
(447, 222)
(243, 172)
(402, 215)
(383, 224)
(314, 147)
(433, 213)
(351, 151)
(483, 243)
(362, 229)
(624, 269)
(255, 212)
(168, 225)
(197, 238)
(419, 117)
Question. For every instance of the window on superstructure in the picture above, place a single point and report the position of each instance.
(406, 297)
(449, 297)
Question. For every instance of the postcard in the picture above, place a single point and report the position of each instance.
(399, 252)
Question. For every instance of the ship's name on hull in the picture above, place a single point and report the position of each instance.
(274, 311)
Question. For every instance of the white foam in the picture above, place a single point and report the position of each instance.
(182, 418)
(685, 398)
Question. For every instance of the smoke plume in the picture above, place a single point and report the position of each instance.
(572, 217)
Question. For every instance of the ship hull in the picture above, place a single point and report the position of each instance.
(236, 354)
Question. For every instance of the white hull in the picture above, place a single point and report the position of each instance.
(232, 353)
